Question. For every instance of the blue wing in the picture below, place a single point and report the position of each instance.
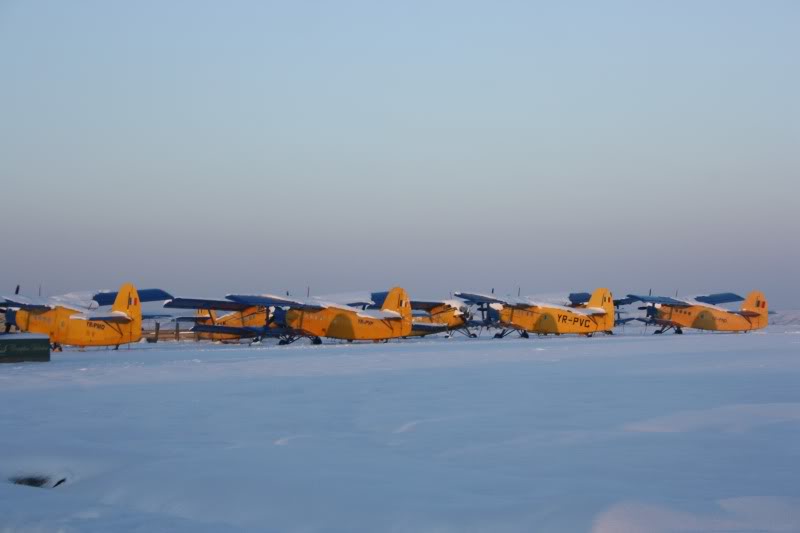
(578, 298)
(663, 300)
(145, 295)
(205, 303)
(475, 298)
(267, 300)
(719, 298)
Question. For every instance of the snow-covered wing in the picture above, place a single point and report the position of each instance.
(663, 300)
(25, 302)
(269, 300)
(477, 298)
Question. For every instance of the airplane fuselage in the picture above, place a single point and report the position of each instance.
(62, 329)
(255, 317)
(338, 323)
(444, 314)
(709, 319)
(544, 320)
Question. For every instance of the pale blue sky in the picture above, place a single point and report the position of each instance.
(213, 147)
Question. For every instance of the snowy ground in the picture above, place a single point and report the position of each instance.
(699, 432)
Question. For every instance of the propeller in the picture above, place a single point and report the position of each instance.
(9, 314)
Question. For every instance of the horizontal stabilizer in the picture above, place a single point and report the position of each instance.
(749, 314)
(114, 317)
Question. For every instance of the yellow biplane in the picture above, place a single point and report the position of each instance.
(704, 313)
(526, 315)
(75, 320)
(436, 316)
(316, 317)
(239, 321)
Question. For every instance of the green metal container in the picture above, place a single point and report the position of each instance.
(24, 347)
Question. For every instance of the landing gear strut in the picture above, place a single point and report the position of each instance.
(678, 330)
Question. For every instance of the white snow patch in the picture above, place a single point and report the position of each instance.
(729, 418)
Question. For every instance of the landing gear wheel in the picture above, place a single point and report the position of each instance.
(473, 335)
(679, 331)
(657, 332)
(316, 340)
(498, 335)
(282, 342)
(525, 335)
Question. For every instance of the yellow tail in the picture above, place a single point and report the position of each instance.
(603, 299)
(756, 303)
(128, 302)
(397, 300)
(206, 316)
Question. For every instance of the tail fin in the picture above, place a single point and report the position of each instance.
(756, 303)
(128, 302)
(206, 316)
(603, 299)
(397, 300)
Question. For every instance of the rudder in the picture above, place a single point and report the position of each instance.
(397, 300)
(603, 299)
(127, 301)
(756, 303)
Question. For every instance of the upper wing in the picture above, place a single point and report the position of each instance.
(664, 300)
(578, 298)
(719, 298)
(145, 295)
(427, 305)
(268, 300)
(618, 302)
(25, 302)
(205, 303)
(477, 298)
